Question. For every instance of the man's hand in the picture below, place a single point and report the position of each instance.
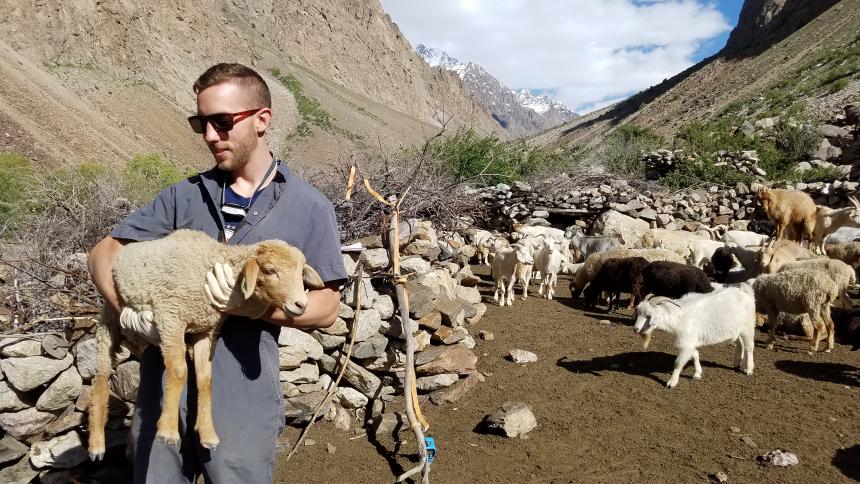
(220, 290)
(139, 324)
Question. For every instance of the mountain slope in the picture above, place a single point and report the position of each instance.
(520, 112)
(101, 81)
(773, 39)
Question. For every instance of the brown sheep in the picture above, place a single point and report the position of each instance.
(848, 253)
(792, 212)
(772, 257)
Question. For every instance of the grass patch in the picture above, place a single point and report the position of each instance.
(145, 175)
(622, 149)
(14, 172)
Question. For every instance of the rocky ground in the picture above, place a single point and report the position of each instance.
(604, 416)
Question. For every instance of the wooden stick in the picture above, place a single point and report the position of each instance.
(350, 183)
(359, 272)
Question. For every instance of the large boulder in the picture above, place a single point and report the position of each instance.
(296, 338)
(11, 400)
(21, 349)
(25, 424)
(62, 391)
(61, 452)
(25, 374)
(126, 380)
(445, 359)
(512, 419)
(612, 222)
(360, 379)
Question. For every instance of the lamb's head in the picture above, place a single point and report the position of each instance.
(524, 255)
(764, 197)
(278, 274)
(652, 313)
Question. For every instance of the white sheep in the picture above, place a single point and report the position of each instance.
(674, 240)
(797, 292)
(695, 320)
(742, 238)
(166, 278)
(701, 251)
(521, 230)
(839, 272)
(828, 220)
(548, 260)
(510, 263)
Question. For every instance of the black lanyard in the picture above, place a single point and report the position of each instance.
(223, 235)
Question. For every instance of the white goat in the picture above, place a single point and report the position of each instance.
(508, 263)
(742, 238)
(701, 251)
(548, 260)
(534, 230)
(828, 220)
(727, 314)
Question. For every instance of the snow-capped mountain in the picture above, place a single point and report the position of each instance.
(520, 113)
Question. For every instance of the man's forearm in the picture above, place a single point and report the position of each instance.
(321, 311)
(100, 263)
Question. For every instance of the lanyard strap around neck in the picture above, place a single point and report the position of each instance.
(259, 185)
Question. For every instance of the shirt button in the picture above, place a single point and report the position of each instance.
(254, 212)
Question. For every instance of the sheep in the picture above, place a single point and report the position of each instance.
(671, 279)
(587, 245)
(548, 260)
(509, 263)
(828, 220)
(774, 256)
(797, 292)
(848, 253)
(615, 276)
(675, 240)
(726, 258)
(166, 277)
(743, 238)
(843, 235)
(521, 230)
(841, 273)
(702, 251)
(699, 320)
(790, 210)
(593, 263)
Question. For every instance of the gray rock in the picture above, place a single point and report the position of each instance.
(10, 399)
(55, 346)
(748, 129)
(540, 214)
(522, 356)
(344, 311)
(290, 357)
(456, 391)
(11, 449)
(384, 305)
(25, 424)
(85, 358)
(425, 248)
(373, 347)
(422, 340)
(648, 214)
(470, 295)
(394, 327)
(415, 265)
(480, 310)
(328, 341)
(305, 373)
(779, 458)
(766, 123)
(512, 419)
(21, 349)
(292, 337)
(831, 131)
(389, 425)
(65, 422)
(435, 382)
(368, 324)
(338, 328)
(374, 259)
(445, 359)
(25, 374)
(61, 452)
(300, 408)
(342, 419)
(126, 380)
(19, 473)
(368, 293)
(62, 391)
(350, 398)
(360, 379)
(349, 263)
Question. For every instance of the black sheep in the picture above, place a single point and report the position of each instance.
(615, 276)
(670, 279)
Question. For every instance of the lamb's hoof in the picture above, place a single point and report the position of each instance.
(770, 346)
(170, 439)
(210, 444)
(828, 350)
(97, 455)
(697, 377)
(671, 384)
(748, 372)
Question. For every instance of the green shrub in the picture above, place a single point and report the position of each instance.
(309, 108)
(146, 175)
(14, 172)
(623, 147)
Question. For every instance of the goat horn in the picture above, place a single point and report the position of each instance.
(854, 201)
(662, 299)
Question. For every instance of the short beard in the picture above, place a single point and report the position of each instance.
(241, 153)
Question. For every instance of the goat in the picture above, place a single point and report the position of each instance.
(702, 251)
(587, 245)
(773, 256)
(797, 292)
(743, 238)
(841, 273)
(593, 263)
(699, 320)
(675, 240)
(790, 210)
(167, 277)
(671, 279)
(533, 230)
(508, 263)
(548, 260)
(828, 220)
(843, 235)
(852, 118)
(615, 276)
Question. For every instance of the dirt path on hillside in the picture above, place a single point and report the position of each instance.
(604, 415)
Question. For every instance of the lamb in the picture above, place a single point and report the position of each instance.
(843, 235)
(522, 230)
(839, 272)
(615, 276)
(675, 240)
(726, 258)
(510, 263)
(587, 245)
(671, 279)
(699, 320)
(790, 210)
(797, 292)
(828, 220)
(848, 253)
(781, 252)
(166, 277)
(702, 251)
(548, 261)
(743, 238)
(593, 263)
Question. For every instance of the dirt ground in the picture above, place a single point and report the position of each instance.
(604, 414)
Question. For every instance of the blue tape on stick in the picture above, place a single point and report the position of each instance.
(431, 449)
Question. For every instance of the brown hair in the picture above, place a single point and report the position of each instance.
(256, 87)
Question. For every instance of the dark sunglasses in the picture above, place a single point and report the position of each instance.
(221, 122)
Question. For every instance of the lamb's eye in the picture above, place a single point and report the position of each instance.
(269, 270)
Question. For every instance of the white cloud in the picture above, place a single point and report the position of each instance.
(589, 51)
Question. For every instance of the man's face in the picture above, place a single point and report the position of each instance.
(233, 148)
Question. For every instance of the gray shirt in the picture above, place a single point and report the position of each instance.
(289, 209)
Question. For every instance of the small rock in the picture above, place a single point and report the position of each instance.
(305, 373)
(331, 449)
(350, 398)
(513, 419)
(384, 305)
(21, 349)
(374, 259)
(11, 449)
(445, 359)
(522, 356)
(292, 337)
(126, 380)
(431, 321)
(779, 458)
(25, 374)
(456, 391)
(26, 423)
(19, 473)
(719, 477)
(435, 382)
(62, 391)
(61, 452)
(10, 399)
(735, 430)
(339, 327)
(486, 335)
(747, 440)
(368, 323)
(373, 347)
(310, 442)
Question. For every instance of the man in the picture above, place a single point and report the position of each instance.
(246, 198)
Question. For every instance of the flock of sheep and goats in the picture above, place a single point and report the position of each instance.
(798, 273)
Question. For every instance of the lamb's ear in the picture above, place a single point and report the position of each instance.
(312, 278)
(249, 277)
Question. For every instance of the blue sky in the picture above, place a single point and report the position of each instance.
(586, 53)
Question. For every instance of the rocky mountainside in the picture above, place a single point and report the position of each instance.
(780, 50)
(519, 112)
(101, 81)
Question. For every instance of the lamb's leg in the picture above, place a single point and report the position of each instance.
(202, 344)
(525, 281)
(173, 347)
(771, 328)
(697, 366)
(739, 352)
(780, 228)
(107, 338)
(683, 357)
(830, 327)
(748, 340)
(817, 330)
(510, 290)
(498, 289)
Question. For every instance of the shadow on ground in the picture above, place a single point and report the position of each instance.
(848, 462)
(839, 373)
(649, 364)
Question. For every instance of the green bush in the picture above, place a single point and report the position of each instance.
(623, 147)
(309, 108)
(146, 175)
(14, 172)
